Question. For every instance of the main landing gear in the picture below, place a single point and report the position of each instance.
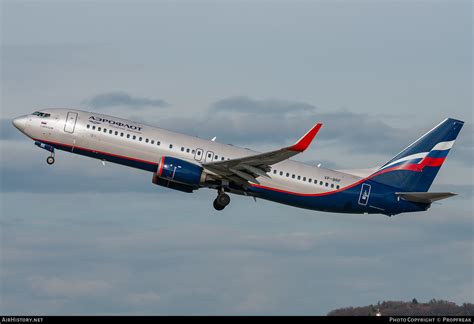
(222, 200)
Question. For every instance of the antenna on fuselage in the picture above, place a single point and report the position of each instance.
(214, 139)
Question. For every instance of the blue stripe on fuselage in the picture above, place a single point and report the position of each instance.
(382, 200)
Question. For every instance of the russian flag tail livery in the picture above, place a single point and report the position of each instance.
(414, 168)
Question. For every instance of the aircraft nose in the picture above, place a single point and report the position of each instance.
(20, 123)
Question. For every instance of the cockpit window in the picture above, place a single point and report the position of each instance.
(41, 114)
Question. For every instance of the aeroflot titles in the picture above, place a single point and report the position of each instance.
(97, 120)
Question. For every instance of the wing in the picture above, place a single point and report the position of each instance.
(242, 170)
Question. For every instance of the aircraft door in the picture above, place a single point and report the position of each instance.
(364, 194)
(209, 156)
(70, 122)
(198, 155)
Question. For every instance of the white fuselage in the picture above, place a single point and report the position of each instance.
(131, 140)
(187, 163)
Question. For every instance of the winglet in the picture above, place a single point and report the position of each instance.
(303, 143)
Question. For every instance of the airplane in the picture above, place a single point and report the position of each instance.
(186, 163)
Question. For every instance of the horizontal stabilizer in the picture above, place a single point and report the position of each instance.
(424, 197)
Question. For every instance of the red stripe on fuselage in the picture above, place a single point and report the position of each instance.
(309, 194)
(96, 151)
(162, 162)
(432, 162)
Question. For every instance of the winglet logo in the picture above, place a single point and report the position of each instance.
(100, 120)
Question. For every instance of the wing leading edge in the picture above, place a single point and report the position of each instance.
(247, 169)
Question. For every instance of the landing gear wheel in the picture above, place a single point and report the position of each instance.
(217, 206)
(50, 160)
(221, 201)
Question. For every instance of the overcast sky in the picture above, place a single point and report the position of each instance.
(80, 238)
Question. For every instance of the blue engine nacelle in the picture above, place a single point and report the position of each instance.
(178, 174)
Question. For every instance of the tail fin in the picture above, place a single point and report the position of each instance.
(414, 168)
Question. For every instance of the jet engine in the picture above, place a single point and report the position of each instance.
(179, 174)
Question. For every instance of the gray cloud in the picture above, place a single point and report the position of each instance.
(55, 180)
(71, 287)
(108, 258)
(113, 99)
(464, 191)
(257, 122)
(8, 131)
(243, 104)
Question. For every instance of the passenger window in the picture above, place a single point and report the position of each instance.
(105, 130)
(337, 187)
(147, 140)
(310, 180)
(140, 138)
(222, 158)
(134, 137)
(99, 129)
(128, 135)
(171, 146)
(332, 185)
(327, 184)
(88, 126)
(199, 153)
(93, 127)
(299, 177)
(187, 150)
(110, 132)
(274, 171)
(304, 178)
(321, 183)
(152, 142)
(293, 176)
(281, 173)
(158, 143)
(215, 157)
(287, 174)
(121, 134)
(193, 151)
(182, 149)
(208, 155)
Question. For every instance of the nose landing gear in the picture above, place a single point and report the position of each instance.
(221, 201)
(47, 147)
